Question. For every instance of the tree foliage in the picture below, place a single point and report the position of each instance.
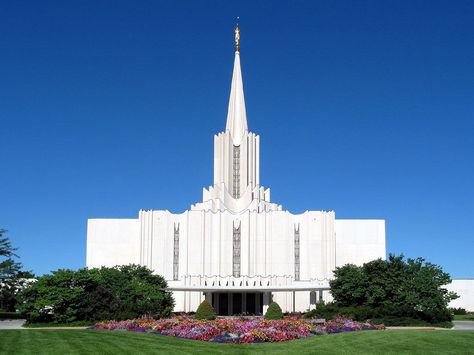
(8, 266)
(404, 288)
(205, 311)
(274, 311)
(121, 292)
(12, 278)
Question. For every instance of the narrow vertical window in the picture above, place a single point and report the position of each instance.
(236, 252)
(297, 252)
(236, 172)
(176, 252)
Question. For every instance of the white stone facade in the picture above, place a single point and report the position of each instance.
(237, 248)
(465, 291)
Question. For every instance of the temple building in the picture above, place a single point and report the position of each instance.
(237, 248)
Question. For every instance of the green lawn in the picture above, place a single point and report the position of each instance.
(464, 317)
(53, 325)
(34, 341)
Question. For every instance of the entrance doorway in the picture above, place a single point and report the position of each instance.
(235, 303)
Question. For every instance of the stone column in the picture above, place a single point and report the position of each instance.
(312, 300)
(208, 297)
(267, 298)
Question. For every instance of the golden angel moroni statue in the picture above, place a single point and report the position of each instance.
(237, 39)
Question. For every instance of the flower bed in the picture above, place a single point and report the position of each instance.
(340, 325)
(236, 330)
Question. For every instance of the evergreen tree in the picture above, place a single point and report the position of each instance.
(274, 312)
(12, 278)
(205, 311)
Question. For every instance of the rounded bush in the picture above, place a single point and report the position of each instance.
(274, 312)
(205, 311)
(120, 292)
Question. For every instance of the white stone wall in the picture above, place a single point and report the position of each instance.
(465, 291)
(206, 242)
(112, 242)
(359, 241)
(267, 242)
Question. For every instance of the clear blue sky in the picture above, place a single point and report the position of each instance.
(365, 108)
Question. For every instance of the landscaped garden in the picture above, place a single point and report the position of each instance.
(204, 326)
(394, 292)
(89, 342)
(235, 330)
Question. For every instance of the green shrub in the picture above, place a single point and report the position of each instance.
(311, 314)
(324, 310)
(395, 287)
(121, 292)
(458, 311)
(205, 311)
(274, 312)
(10, 315)
(359, 313)
(394, 316)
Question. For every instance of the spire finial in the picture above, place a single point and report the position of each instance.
(236, 115)
(237, 36)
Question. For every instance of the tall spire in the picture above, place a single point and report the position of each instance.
(236, 114)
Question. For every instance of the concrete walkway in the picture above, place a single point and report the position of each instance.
(17, 324)
(413, 328)
(11, 323)
(463, 325)
(458, 325)
(56, 328)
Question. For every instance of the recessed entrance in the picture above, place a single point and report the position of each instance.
(235, 303)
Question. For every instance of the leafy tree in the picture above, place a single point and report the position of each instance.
(413, 288)
(205, 311)
(274, 311)
(349, 285)
(12, 278)
(121, 292)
